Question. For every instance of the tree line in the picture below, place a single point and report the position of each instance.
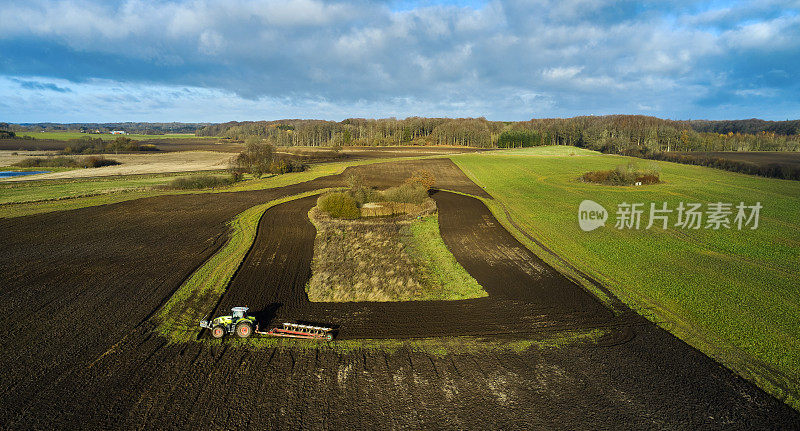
(612, 133)
(140, 128)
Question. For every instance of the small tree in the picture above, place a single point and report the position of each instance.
(422, 178)
(355, 182)
(123, 143)
(256, 158)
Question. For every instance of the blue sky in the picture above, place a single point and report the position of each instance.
(208, 60)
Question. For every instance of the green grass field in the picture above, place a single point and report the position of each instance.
(65, 136)
(732, 294)
(45, 190)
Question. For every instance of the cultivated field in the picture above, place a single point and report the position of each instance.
(727, 292)
(761, 158)
(85, 293)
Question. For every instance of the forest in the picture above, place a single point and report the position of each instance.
(612, 133)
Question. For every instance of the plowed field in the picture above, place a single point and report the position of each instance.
(78, 349)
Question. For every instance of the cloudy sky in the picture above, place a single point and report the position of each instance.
(208, 60)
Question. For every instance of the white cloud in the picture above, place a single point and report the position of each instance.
(565, 55)
(560, 73)
(757, 92)
(778, 33)
(211, 42)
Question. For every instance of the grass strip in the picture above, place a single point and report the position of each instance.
(452, 281)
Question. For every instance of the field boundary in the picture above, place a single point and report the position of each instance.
(769, 379)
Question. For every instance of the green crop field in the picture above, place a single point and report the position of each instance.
(732, 293)
(65, 136)
(46, 190)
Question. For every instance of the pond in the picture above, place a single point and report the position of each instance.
(9, 174)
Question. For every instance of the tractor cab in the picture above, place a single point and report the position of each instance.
(238, 313)
(237, 322)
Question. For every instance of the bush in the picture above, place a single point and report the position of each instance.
(413, 193)
(89, 145)
(97, 161)
(622, 176)
(281, 166)
(66, 162)
(200, 182)
(49, 162)
(339, 205)
(422, 178)
(367, 194)
(360, 192)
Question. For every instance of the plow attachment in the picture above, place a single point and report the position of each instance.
(296, 330)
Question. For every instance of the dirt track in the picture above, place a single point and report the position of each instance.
(79, 287)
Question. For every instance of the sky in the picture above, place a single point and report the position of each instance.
(216, 61)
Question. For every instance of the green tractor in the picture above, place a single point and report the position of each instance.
(238, 323)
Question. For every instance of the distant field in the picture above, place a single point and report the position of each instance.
(64, 136)
(41, 196)
(49, 190)
(139, 163)
(791, 158)
(732, 294)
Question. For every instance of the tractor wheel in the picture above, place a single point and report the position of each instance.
(244, 329)
(218, 331)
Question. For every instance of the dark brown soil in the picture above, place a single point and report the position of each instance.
(531, 295)
(80, 286)
(405, 151)
(650, 382)
(77, 282)
(446, 173)
(32, 144)
(194, 144)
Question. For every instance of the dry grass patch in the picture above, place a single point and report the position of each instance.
(400, 258)
(136, 164)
